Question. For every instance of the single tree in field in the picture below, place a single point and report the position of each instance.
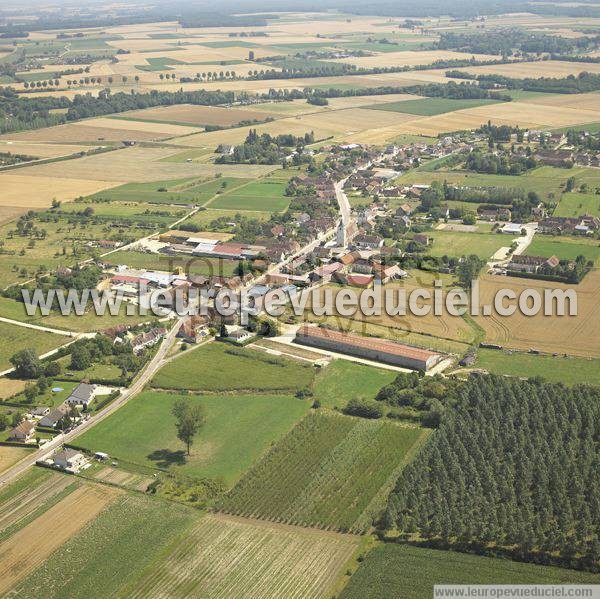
(189, 419)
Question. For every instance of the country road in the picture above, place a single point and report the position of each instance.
(138, 384)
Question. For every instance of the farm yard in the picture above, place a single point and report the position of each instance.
(330, 471)
(238, 430)
(222, 556)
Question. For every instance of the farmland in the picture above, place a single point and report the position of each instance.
(48, 532)
(117, 544)
(16, 338)
(457, 244)
(341, 381)
(574, 335)
(225, 368)
(564, 248)
(230, 557)
(258, 196)
(429, 106)
(402, 571)
(558, 369)
(577, 204)
(337, 473)
(238, 429)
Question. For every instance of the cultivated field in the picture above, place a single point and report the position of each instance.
(406, 572)
(116, 544)
(578, 204)
(263, 195)
(409, 58)
(49, 532)
(226, 368)
(41, 150)
(10, 455)
(575, 335)
(197, 115)
(238, 430)
(224, 557)
(330, 471)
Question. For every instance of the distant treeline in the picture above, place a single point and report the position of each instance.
(509, 41)
(572, 84)
(226, 20)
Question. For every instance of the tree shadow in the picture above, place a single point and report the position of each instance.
(165, 458)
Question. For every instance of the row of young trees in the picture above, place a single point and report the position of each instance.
(514, 468)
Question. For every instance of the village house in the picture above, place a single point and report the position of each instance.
(69, 459)
(492, 214)
(82, 395)
(194, 329)
(386, 273)
(368, 242)
(531, 264)
(324, 273)
(23, 432)
(54, 418)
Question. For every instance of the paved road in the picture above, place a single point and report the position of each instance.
(138, 384)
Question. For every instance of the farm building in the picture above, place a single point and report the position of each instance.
(69, 459)
(369, 348)
(82, 395)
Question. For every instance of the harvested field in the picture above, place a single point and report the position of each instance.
(576, 335)
(197, 115)
(41, 150)
(133, 127)
(225, 557)
(331, 471)
(10, 387)
(409, 58)
(10, 456)
(139, 165)
(546, 68)
(10, 213)
(24, 191)
(20, 507)
(49, 532)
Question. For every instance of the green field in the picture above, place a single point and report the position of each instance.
(329, 471)
(564, 248)
(544, 180)
(457, 244)
(238, 430)
(119, 543)
(336, 384)
(571, 371)
(266, 196)
(406, 572)
(159, 63)
(223, 557)
(430, 106)
(15, 338)
(578, 204)
(177, 191)
(222, 367)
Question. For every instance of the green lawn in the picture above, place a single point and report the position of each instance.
(570, 371)
(564, 248)
(456, 244)
(267, 196)
(578, 204)
(49, 398)
(430, 106)
(222, 367)
(119, 543)
(238, 430)
(336, 384)
(406, 572)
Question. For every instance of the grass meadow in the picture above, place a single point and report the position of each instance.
(262, 196)
(577, 204)
(238, 430)
(222, 367)
(430, 106)
(564, 248)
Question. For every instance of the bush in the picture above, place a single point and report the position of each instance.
(363, 409)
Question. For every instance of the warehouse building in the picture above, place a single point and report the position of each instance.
(378, 350)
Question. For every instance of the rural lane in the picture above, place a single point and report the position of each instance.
(137, 386)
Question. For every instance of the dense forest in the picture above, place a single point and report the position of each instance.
(513, 469)
(572, 84)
